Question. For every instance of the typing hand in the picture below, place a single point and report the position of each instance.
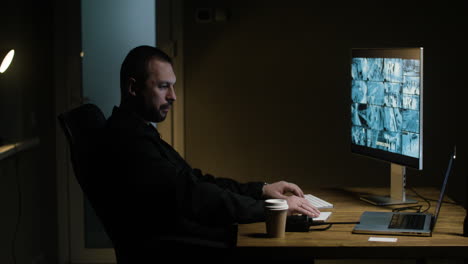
(299, 205)
(279, 189)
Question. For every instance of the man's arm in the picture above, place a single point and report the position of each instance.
(251, 189)
(260, 190)
(200, 197)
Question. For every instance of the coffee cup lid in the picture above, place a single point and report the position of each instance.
(275, 201)
(277, 207)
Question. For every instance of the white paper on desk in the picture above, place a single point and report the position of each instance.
(383, 239)
(322, 217)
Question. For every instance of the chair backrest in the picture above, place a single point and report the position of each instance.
(82, 127)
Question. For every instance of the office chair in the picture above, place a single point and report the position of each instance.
(82, 127)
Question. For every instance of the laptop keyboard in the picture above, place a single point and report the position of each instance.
(407, 221)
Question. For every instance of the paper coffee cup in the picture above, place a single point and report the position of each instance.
(275, 217)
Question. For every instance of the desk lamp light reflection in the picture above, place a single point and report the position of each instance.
(6, 61)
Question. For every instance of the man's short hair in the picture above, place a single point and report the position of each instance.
(135, 64)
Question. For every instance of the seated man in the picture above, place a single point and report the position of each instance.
(152, 194)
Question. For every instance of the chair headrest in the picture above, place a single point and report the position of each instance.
(82, 123)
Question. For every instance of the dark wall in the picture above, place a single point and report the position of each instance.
(267, 91)
(266, 99)
(27, 107)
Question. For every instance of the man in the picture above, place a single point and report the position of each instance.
(158, 194)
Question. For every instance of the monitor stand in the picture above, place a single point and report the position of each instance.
(397, 189)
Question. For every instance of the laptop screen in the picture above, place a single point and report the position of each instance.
(442, 191)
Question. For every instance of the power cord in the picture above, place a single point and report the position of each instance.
(329, 225)
(418, 207)
(433, 200)
(422, 197)
(303, 223)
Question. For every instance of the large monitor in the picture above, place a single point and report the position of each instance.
(387, 112)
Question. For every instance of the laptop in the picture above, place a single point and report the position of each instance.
(400, 223)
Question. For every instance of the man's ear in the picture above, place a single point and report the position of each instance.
(132, 87)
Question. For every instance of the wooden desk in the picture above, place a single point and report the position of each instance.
(338, 242)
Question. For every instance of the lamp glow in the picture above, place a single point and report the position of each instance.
(7, 61)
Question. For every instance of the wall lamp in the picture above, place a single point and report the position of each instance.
(6, 58)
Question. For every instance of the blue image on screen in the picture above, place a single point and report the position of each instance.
(375, 93)
(385, 104)
(411, 85)
(393, 120)
(393, 94)
(410, 141)
(359, 91)
(393, 70)
(359, 69)
(375, 117)
(375, 73)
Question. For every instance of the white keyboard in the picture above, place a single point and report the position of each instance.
(317, 202)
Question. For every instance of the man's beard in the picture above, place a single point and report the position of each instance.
(150, 113)
(153, 114)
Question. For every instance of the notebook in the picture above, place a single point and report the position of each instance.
(400, 223)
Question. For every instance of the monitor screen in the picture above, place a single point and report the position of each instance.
(386, 104)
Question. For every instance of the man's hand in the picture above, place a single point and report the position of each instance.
(299, 205)
(296, 202)
(278, 190)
